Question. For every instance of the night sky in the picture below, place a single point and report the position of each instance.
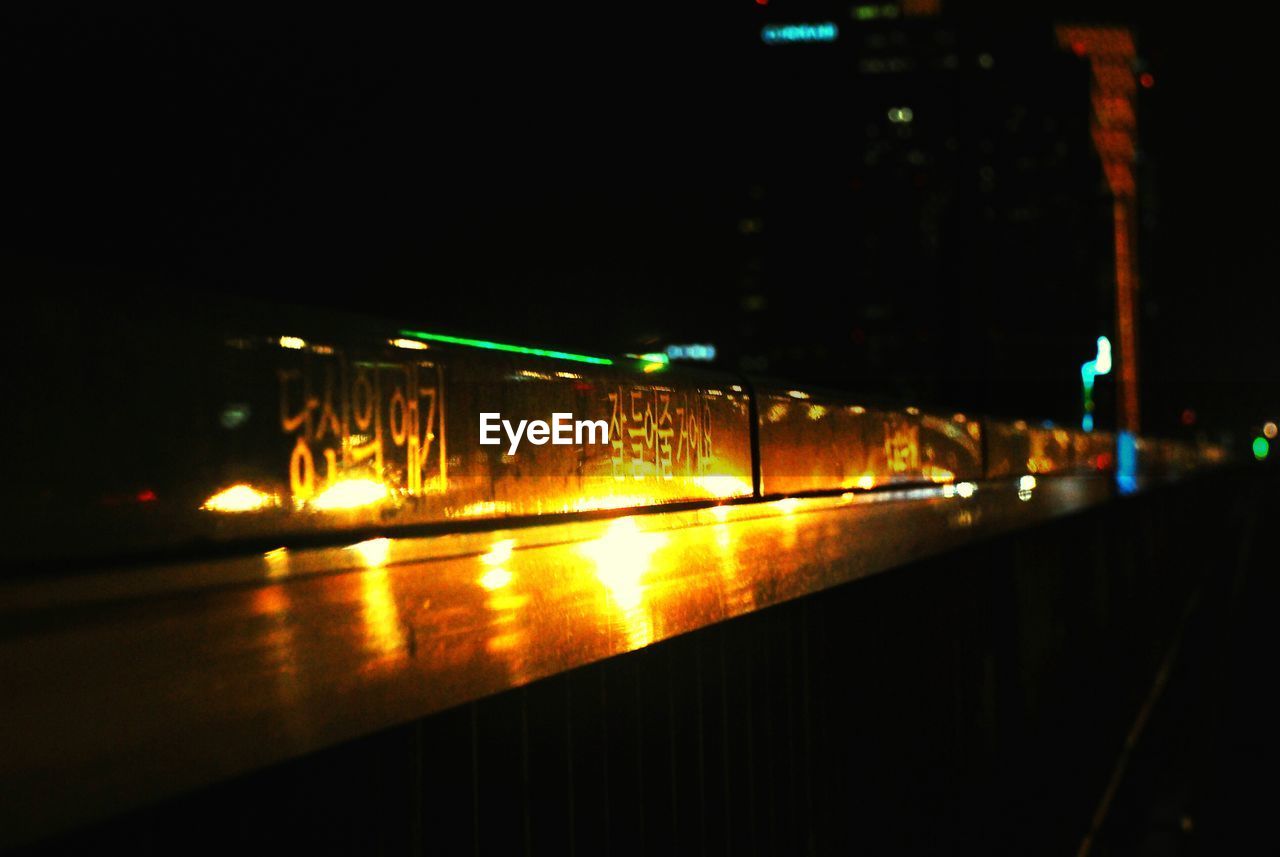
(550, 176)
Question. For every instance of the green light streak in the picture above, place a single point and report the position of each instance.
(502, 346)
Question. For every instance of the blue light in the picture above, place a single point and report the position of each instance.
(691, 352)
(1087, 422)
(793, 33)
(1126, 462)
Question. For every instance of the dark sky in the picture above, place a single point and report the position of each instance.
(432, 168)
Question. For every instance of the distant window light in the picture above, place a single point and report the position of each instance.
(872, 12)
(986, 61)
(901, 115)
(792, 33)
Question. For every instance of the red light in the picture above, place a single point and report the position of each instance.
(1147, 79)
(1078, 48)
(762, 2)
(146, 496)
(1188, 417)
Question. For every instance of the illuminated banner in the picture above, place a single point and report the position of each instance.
(824, 442)
(290, 434)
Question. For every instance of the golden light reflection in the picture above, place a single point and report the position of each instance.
(866, 482)
(409, 344)
(240, 498)
(719, 512)
(271, 604)
(378, 609)
(723, 487)
(499, 553)
(817, 412)
(496, 578)
(615, 501)
(787, 505)
(348, 494)
(277, 562)
(381, 617)
(797, 394)
(484, 509)
(938, 474)
(293, 342)
(373, 552)
(622, 557)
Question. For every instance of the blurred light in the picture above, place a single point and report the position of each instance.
(1126, 462)
(1269, 431)
(499, 553)
(1102, 363)
(234, 415)
(938, 474)
(1261, 448)
(622, 557)
(496, 578)
(410, 344)
(1188, 417)
(1026, 485)
(500, 346)
(372, 552)
(277, 562)
(793, 33)
(292, 342)
(350, 494)
(1147, 79)
(691, 352)
(238, 498)
(788, 505)
(901, 115)
(986, 61)
(1086, 422)
(797, 394)
(723, 487)
(966, 489)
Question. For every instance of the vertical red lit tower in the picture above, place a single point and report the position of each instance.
(1110, 52)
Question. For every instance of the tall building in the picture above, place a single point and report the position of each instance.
(931, 219)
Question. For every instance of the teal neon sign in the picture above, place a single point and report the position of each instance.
(774, 34)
